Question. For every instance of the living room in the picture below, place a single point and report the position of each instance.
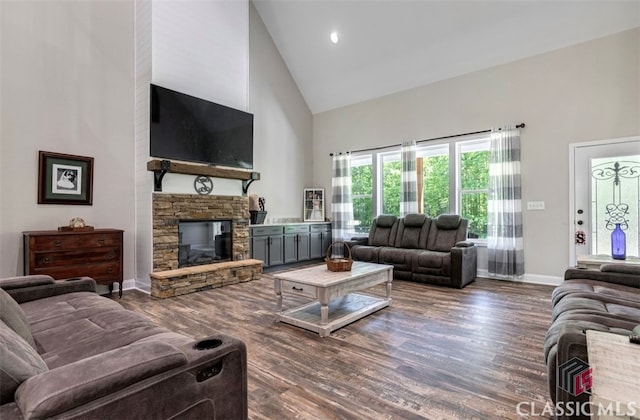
(75, 79)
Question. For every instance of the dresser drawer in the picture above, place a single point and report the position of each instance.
(295, 288)
(102, 272)
(57, 242)
(75, 256)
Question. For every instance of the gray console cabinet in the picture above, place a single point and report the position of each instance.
(267, 244)
(289, 243)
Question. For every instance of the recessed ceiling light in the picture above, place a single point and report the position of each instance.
(334, 37)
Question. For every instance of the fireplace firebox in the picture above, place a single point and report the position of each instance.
(204, 242)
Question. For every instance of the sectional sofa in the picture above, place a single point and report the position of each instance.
(604, 300)
(69, 353)
(421, 249)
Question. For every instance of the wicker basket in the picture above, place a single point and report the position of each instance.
(338, 264)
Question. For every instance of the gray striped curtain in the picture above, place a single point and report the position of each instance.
(409, 180)
(504, 224)
(341, 203)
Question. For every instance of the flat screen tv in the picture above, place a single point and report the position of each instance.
(191, 129)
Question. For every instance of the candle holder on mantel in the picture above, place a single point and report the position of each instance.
(256, 209)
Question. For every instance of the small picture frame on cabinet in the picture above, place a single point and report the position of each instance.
(64, 179)
(313, 205)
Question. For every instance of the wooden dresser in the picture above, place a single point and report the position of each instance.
(96, 254)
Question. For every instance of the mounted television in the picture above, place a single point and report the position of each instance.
(191, 129)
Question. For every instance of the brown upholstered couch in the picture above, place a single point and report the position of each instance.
(68, 352)
(420, 248)
(604, 300)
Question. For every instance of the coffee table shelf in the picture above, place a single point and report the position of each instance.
(337, 301)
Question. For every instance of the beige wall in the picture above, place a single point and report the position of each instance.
(282, 127)
(585, 92)
(67, 86)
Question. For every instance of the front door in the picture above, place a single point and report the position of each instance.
(606, 194)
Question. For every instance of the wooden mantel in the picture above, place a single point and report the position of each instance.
(161, 167)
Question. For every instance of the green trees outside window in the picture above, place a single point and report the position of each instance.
(472, 181)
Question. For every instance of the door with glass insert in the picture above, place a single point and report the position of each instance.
(606, 197)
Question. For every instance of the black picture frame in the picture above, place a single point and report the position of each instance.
(65, 179)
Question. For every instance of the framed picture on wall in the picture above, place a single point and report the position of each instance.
(64, 179)
(313, 205)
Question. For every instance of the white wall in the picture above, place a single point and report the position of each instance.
(199, 48)
(590, 91)
(282, 128)
(67, 86)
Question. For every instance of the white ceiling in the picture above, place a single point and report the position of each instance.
(391, 45)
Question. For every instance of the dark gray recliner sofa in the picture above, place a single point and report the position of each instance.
(603, 300)
(420, 248)
(69, 353)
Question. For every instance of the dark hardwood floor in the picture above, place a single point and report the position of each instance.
(435, 353)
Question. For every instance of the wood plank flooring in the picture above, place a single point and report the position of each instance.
(435, 353)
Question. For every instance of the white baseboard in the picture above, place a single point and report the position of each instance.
(527, 278)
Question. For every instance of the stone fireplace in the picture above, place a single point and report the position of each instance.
(169, 211)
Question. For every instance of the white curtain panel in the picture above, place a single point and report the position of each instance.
(409, 180)
(504, 224)
(341, 202)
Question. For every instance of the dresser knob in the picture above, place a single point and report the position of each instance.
(46, 260)
(57, 243)
(110, 255)
(110, 270)
(100, 241)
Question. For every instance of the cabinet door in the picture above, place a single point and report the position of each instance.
(290, 248)
(260, 249)
(315, 245)
(326, 241)
(303, 246)
(276, 251)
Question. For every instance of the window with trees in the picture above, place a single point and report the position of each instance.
(452, 178)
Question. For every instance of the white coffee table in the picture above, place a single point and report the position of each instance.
(336, 304)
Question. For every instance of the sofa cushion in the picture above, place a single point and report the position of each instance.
(621, 268)
(13, 316)
(18, 362)
(414, 220)
(383, 232)
(365, 253)
(385, 220)
(448, 221)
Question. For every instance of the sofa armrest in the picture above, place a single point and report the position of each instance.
(147, 379)
(358, 241)
(61, 389)
(57, 287)
(10, 283)
(613, 277)
(464, 265)
(464, 244)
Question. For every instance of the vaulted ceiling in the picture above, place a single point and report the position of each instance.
(386, 46)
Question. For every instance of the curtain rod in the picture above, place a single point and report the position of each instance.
(521, 125)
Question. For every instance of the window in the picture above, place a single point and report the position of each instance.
(362, 192)
(454, 178)
(474, 185)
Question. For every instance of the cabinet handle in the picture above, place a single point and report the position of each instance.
(297, 289)
(100, 241)
(110, 270)
(57, 243)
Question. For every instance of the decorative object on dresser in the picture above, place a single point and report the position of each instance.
(64, 179)
(76, 224)
(93, 253)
